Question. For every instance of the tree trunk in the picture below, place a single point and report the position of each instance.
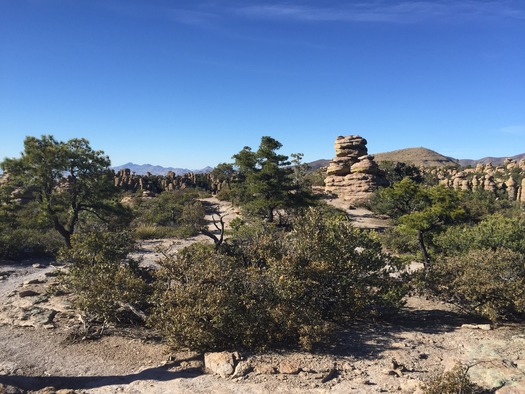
(216, 240)
(424, 252)
(63, 232)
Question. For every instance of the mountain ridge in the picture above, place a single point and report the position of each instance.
(143, 169)
(417, 156)
(429, 158)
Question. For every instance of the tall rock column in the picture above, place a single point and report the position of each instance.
(353, 175)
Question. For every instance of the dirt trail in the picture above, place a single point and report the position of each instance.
(36, 350)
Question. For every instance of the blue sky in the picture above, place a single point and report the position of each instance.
(189, 83)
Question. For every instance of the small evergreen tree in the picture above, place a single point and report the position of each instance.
(265, 181)
(419, 210)
(68, 179)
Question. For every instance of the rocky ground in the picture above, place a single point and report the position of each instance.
(42, 349)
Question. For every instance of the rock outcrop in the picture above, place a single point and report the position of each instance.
(353, 175)
(507, 180)
(150, 185)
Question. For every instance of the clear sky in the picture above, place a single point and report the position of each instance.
(190, 83)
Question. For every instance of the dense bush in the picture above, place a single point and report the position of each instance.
(396, 171)
(488, 282)
(24, 233)
(481, 267)
(170, 214)
(267, 287)
(23, 242)
(480, 203)
(106, 283)
(206, 301)
(420, 212)
(495, 231)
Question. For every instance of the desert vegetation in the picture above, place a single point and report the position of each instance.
(290, 273)
(470, 243)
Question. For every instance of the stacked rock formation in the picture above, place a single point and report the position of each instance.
(353, 175)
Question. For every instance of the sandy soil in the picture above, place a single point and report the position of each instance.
(39, 351)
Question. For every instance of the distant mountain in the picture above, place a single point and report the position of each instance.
(143, 169)
(417, 156)
(494, 160)
(315, 165)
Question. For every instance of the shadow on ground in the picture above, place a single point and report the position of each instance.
(367, 340)
(159, 374)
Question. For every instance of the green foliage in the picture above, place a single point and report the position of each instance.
(481, 203)
(24, 242)
(105, 282)
(455, 381)
(23, 232)
(488, 282)
(265, 181)
(206, 301)
(481, 267)
(419, 211)
(170, 214)
(315, 177)
(341, 270)
(223, 172)
(495, 231)
(397, 171)
(143, 231)
(442, 207)
(401, 198)
(68, 178)
(417, 206)
(266, 287)
(400, 242)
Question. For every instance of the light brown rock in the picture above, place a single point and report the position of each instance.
(353, 175)
(220, 363)
(289, 367)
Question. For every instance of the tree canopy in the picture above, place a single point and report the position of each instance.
(67, 179)
(419, 209)
(265, 180)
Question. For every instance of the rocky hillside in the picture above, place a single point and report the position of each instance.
(417, 156)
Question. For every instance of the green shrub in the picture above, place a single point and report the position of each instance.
(481, 203)
(455, 381)
(495, 231)
(266, 287)
(23, 242)
(106, 284)
(205, 300)
(484, 281)
(24, 231)
(399, 242)
(170, 214)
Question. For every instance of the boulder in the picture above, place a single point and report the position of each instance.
(220, 363)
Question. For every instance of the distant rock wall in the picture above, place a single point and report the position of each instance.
(507, 179)
(150, 185)
(353, 175)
